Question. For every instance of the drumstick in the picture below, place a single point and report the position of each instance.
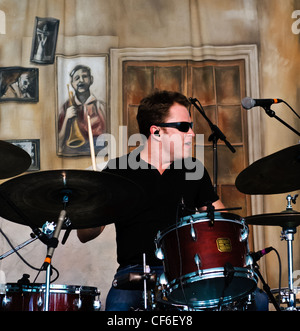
(91, 143)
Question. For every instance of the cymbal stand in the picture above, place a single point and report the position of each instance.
(50, 251)
(287, 233)
(53, 244)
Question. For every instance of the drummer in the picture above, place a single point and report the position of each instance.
(175, 185)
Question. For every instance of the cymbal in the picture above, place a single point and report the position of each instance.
(276, 173)
(94, 198)
(283, 219)
(14, 160)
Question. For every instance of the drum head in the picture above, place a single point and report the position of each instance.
(206, 290)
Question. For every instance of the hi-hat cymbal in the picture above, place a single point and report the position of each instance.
(276, 173)
(284, 219)
(94, 198)
(14, 160)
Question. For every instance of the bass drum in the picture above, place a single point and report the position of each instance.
(206, 263)
(62, 298)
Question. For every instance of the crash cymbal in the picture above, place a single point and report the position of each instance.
(14, 160)
(94, 198)
(276, 173)
(283, 219)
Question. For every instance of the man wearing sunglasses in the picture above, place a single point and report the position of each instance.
(165, 123)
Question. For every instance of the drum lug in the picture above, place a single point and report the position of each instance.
(6, 302)
(198, 263)
(77, 303)
(159, 253)
(193, 232)
(248, 260)
(97, 305)
(163, 279)
(40, 302)
(244, 232)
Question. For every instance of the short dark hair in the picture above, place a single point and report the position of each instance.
(154, 108)
(78, 67)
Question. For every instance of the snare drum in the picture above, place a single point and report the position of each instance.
(196, 254)
(61, 298)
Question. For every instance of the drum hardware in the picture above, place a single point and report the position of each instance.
(15, 249)
(145, 281)
(193, 232)
(50, 251)
(198, 263)
(210, 213)
(288, 220)
(291, 200)
(288, 235)
(244, 232)
(134, 281)
(282, 295)
(228, 277)
(68, 225)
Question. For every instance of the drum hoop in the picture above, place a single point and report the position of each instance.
(184, 221)
(54, 288)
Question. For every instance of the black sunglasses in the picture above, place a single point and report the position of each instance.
(181, 126)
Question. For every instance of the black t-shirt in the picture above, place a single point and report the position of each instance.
(161, 206)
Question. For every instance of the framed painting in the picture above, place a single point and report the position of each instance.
(82, 86)
(19, 84)
(44, 40)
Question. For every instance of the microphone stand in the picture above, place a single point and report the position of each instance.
(272, 113)
(214, 137)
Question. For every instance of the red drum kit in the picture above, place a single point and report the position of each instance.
(206, 258)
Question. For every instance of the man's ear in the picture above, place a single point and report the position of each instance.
(155, 131)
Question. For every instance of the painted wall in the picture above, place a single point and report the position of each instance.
(95, 26)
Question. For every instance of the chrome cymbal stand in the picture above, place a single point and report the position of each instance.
(287, 233)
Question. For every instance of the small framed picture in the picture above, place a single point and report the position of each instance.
(44, 40)
(32, 147)
(19, 84)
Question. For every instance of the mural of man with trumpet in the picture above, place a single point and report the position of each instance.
(72, 122)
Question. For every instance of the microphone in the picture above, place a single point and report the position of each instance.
(249, 103)
(257, 255)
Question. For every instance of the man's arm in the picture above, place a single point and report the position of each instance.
(85, 235)
(217, 204)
